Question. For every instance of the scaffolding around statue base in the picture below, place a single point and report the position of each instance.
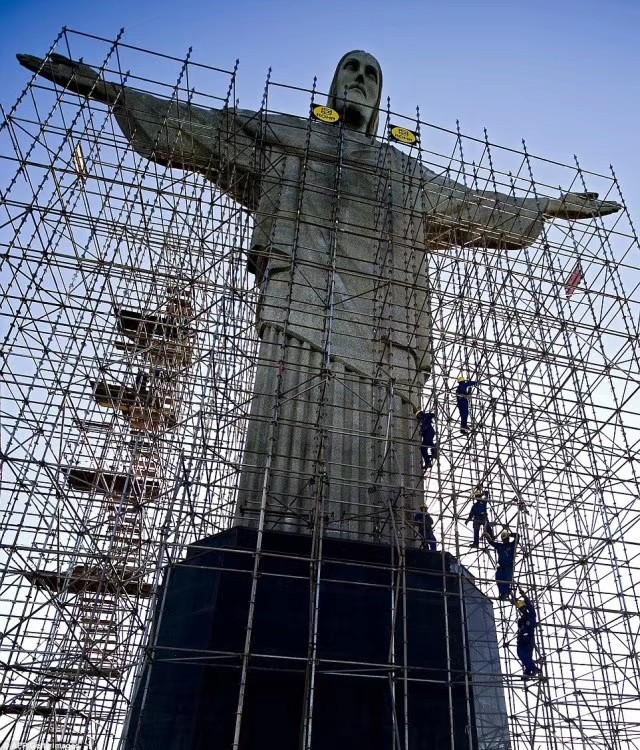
(394, 651)
(160, 422)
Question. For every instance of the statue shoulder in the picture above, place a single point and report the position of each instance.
(414, 168)
(284, 130)
(289, 131)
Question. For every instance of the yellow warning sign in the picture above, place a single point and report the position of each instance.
(403, 135)
(325, 114)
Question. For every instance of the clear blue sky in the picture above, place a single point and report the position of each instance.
(563, 74)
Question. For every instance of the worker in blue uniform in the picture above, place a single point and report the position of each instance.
(525, 639)
(479, 515)
(424, 525)
(428, 447)
(506, 550)
(463, 395)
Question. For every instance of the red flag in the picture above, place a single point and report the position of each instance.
(574, 279)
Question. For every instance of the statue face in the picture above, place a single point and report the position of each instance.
(357, 89)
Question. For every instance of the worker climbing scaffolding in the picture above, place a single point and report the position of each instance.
(479, 516)
(463, 398)
(525, 643)
(506, 551)
(424, 526)
(428, 448)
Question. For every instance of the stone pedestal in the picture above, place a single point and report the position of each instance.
(443, 669)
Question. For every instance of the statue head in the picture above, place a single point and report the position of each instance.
(356, 90)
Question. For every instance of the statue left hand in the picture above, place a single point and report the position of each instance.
(575, 206)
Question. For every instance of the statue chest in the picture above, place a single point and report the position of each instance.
(356, 185)
(345, 193)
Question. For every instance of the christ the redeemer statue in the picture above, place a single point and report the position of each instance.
(342, 225)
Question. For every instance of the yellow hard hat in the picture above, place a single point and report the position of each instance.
(505, 535)
(419, 413)
(461, 378)
(521, 604)
(424, 507)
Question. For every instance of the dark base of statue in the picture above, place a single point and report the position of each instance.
(188, 695)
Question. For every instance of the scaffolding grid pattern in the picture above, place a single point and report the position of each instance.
(129, 359)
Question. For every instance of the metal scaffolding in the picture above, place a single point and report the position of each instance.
(131, 365)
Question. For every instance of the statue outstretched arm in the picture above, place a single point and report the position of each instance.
(218, 143)
(458, 215)
(71, 75)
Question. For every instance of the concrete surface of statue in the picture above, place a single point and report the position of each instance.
(343, 228)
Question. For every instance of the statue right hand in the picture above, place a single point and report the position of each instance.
(71, 75)
(577, 206)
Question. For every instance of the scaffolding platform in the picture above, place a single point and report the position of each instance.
(201, 667)
(138, 325)
(112, 483)
(83, 578)
(142, 408)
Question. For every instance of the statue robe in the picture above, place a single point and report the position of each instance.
(343, 225)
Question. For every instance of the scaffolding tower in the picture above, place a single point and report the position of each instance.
(131, 364)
